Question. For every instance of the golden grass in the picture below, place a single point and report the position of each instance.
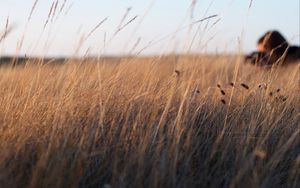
(174, 121)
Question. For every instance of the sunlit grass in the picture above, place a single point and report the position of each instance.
(174, 121)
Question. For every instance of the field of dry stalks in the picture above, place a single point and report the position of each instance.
(174, 121)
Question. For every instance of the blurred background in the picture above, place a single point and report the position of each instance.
(148, 27)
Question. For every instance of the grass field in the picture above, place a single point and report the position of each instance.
(170, 121)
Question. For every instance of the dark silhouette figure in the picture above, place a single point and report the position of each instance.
(272, 48)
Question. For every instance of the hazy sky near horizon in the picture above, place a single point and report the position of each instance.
(161, 26)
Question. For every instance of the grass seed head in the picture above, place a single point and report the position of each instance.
(262, 86)
(222, 92)
(245, 86)
(223, 101)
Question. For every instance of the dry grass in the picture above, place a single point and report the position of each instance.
(184, 121)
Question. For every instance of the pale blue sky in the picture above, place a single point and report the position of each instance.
(155, 25)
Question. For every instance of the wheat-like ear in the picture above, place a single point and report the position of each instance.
(250, 4)
(32, 10)
(49, 14)
(6, 31)
(126, 24)
(95, 28)
(62, 7)
(54, 10)
(123, 19)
